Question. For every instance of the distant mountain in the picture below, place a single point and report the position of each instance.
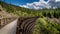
(54, 3)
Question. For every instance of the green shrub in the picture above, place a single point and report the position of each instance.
(43, 26)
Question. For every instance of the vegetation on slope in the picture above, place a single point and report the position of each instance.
(19, 11)
(44, 26)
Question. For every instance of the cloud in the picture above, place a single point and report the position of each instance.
(57, 0)
(25, 6)
(42, 4)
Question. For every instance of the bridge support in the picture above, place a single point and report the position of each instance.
(25, 25)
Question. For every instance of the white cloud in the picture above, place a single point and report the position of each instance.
(57, 0)
(24, 6)
(42, 4)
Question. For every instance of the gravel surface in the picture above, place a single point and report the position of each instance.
(10, 28)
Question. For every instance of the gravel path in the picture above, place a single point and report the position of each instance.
(10, 28)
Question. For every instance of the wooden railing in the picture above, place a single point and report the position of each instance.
(5, 21)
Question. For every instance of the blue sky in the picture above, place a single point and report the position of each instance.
(20, 2)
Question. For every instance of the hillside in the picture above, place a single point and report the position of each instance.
(19, 11)
(15, 10)
(4, 14)
(48, 23)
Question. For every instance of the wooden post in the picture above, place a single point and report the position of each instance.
(0, 23)
(5, 20)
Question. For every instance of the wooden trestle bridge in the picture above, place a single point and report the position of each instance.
(26, 25)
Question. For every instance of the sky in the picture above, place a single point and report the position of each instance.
(35, 4)
(20, 2)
